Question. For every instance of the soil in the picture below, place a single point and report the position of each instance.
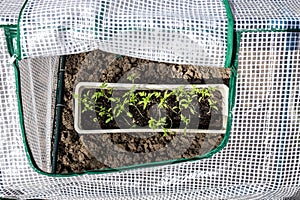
(78, 153)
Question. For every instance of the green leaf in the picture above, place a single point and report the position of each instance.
(103, 85)
(132, 77)
(215, 108)
(165, 132)
(200, 99)
(116, 110)
(142, 93)
(133, 126)
(112, 99)
(129, 114)
(167, 94)
(192, 110)
(157, 94)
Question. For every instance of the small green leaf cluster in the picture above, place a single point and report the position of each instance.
(184, 108)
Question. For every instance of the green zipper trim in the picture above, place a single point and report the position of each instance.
(11, 35)
(234, 64)
(233, 43)
(27, 149)
(33, 164)
(7, 26)
(224, 142)
(35, 167)
(19, 50)
(230, 33)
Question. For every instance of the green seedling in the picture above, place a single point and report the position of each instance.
(146, 100)
(186, 102)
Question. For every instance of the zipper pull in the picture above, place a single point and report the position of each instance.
(12, 59)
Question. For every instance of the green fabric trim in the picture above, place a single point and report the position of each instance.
(102, 171)
(19, 50)
(11, 50)
(34, 166)
(6, 26)
(233, 42)
(10, 34)
(28, 152)
(232, 97)
(230, 32)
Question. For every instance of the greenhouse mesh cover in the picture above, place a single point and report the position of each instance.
(262, 157)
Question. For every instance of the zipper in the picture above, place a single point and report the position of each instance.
(12, 59)
(11, 40)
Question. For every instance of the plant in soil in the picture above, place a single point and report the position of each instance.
(156, 109)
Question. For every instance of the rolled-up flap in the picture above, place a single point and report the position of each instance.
(193, 32)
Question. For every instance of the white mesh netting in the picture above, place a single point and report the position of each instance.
(260, 161)
(9, 12)
(194, 32)
(266, 15)
(38, 81)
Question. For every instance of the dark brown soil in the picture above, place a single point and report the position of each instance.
(79, 153)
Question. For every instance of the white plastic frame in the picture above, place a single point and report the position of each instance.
(123, 86)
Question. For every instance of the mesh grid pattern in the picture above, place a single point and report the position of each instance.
(271, 74)
(247, 168)
(266, 14)
(261, 160)
(9, 11)
(38, 85)
(192, 32)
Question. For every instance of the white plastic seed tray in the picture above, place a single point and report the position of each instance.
(223, 89)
